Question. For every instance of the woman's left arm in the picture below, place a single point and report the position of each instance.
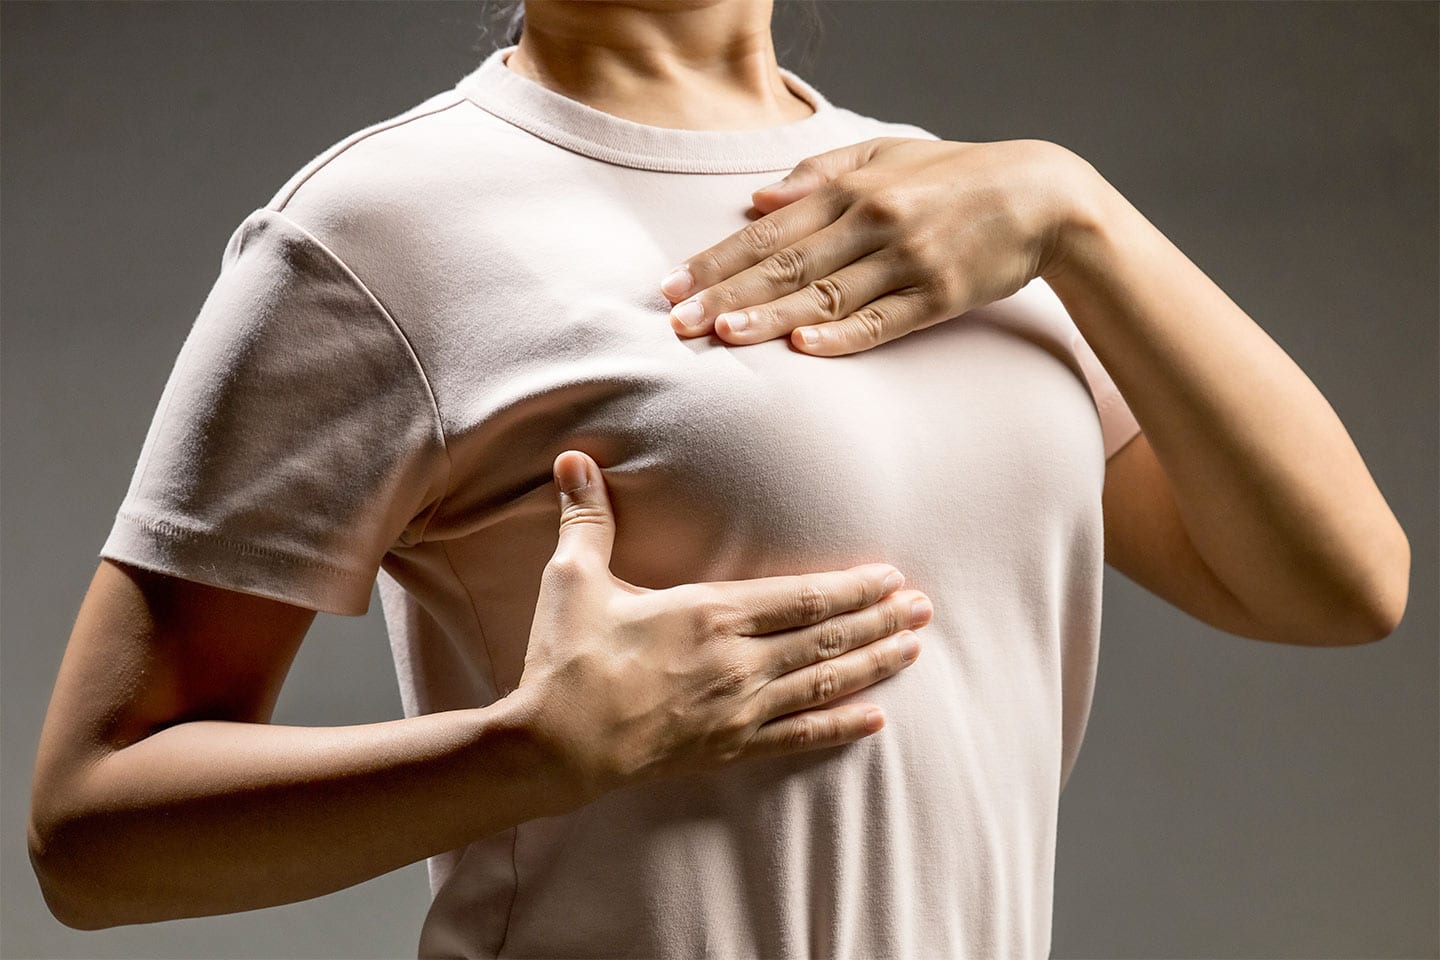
(1243, 501)
(1247, 468)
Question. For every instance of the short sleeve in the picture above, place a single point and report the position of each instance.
(296, 441)
(1117, 422)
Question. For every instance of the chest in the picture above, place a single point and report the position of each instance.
(552, 335)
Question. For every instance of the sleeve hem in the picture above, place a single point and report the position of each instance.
(1118, 423)
(162, 546)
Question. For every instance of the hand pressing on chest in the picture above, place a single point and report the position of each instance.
(874, 240)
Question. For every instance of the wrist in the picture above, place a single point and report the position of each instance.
(558, 785)
(1080, 225)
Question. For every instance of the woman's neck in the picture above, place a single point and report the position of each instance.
(690, 66)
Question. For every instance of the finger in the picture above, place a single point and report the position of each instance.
(768, 604)
(822, 682)
(822, 168)
(792, 650)
(824, 299)
(770, 199)
(749, 245)
(814, 729)
(879, 321)
(784, 270)
(587, 521)
(729, 256)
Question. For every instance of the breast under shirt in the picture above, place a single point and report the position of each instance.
(399, 344)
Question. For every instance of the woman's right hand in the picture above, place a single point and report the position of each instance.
(629, 684)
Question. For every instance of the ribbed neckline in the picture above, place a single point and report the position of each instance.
(576, 126)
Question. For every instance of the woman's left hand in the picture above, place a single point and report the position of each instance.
(874, 240)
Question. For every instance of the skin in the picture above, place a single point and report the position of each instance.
(1215, 507)
(162, 790)
(689, 64)
(1243, 501)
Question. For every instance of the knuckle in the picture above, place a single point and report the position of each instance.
(892, 615)
(827, 682)
(847, 190)
(802, 732)
(734, 737)
(871, 591)
(744, 722)
(732, 749)
(760, 236)
(1046, 147)
(882, 208)
(810, 600)
(881, 664)
(830, 296)
(729, 679)
(705, 264)
(829, 639)
(710, 615)
(943, 289)
(915, 251)
(870, 323)
(785, 267)
(805, 169)
(564, 569)
(721, 618)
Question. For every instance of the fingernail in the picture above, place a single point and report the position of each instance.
(772, 186)
(736, 321)
(909, 647)
(573, 475)
(677, 282)
(690, 313)
(920, 609)
(893, 581)
(810, 336)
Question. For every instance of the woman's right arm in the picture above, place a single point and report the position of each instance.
(161, 790)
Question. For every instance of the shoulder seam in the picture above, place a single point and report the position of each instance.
(414, 355)
(321, 162)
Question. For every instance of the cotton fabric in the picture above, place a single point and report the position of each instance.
(401, 341)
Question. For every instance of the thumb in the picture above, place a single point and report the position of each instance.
(587, 521)
(816, 171)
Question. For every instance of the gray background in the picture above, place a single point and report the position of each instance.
(1233, 798)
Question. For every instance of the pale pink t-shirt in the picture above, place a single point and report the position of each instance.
(400, 343)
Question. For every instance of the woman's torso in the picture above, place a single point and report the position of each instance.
(968, 454)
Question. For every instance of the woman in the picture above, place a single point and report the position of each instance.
(429, 315)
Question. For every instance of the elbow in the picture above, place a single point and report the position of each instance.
(1385, 600)
(1388, 606)
(62, 882)
(62, 906)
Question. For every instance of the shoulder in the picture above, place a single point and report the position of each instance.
(349, 158)
(399, 171)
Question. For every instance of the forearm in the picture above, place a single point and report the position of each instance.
(1273, 493)
(212, 817)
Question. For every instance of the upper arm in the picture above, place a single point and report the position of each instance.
(295, 443)
(149, 650)
(1146, 540)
